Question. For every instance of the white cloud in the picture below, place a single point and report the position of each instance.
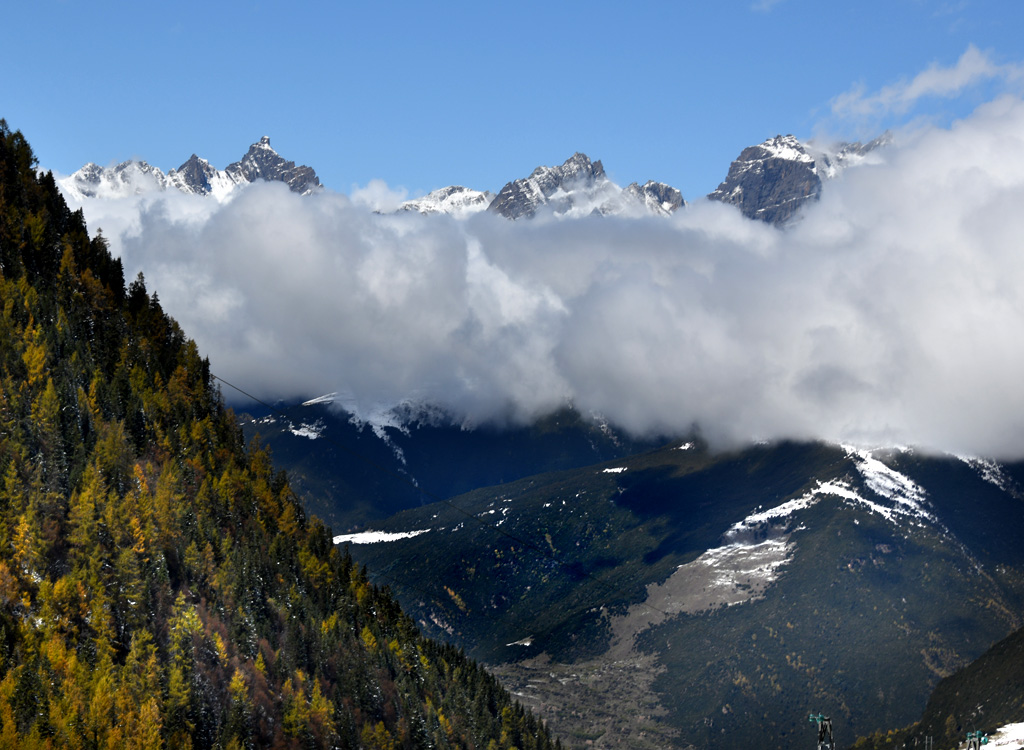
(377, 196)
(891, 313)
(973, 68)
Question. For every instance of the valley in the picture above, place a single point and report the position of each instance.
(562, 376)
(678, 596)
(645, 589)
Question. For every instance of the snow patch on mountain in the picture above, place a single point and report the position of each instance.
(195, 177)
(760, 560)
(725, 576)
(381, 417)
(455, 200)
(907, 496)
(993, 473)
(311, 430)
(375, 537)
(899, 498)
(124, 180)
(1008, 736)
(329, 398)
(759, 546)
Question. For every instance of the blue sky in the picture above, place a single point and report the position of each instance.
(423, 95)
(889, 314)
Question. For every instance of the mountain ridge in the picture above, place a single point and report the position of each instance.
(752, 587)
(195, 176)
(769, 182)
(772, 180)
(160, 583)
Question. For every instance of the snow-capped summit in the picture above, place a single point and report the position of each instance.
(120, 181)
(580, 187)
(771, 180)
(262, 162)
(195, 177)
(455, 200)
(198, 177)
(655, 197)
(577, 181)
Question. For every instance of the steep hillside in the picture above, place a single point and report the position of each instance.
(351, 471)
(679, 597)
(982, 697)
(160, 584)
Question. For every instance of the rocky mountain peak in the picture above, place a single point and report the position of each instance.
(195, 177)
(576, 175)
(655, 196)
(772, 180)
(455, 200)
(262, 162)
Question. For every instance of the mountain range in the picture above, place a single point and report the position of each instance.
(680, 598)
(161, 585)
(653, 593)
(195, 177)
(768, 181)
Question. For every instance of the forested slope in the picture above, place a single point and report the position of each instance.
(160, 585)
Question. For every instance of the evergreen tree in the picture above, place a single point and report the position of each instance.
(160, 585)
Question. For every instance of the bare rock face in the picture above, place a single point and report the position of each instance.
(772, 180)
(195, 177)
(523, 197)
(655, 196)
(262, 162)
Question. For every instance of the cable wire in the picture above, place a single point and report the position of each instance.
(574, 569)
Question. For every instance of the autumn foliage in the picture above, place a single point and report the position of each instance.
(160, 584)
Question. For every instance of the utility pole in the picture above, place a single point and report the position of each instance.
(825, 739)
(975, 740)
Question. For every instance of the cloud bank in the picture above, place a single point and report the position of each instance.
(891, 313)
(971, 70)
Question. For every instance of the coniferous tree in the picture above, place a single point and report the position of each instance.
(160, 585)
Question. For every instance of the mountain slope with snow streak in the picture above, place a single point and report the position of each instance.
(759, 580)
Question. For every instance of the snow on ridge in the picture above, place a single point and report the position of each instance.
(373, 537)
(992, 472)
(907, 498)
(748, 555)
(454, 200)
(786, 147)
(908, 495)
(329, 398)
(311, 430)
(785, 510)
(615, 470)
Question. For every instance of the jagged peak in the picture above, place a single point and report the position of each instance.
(194, 160)
(785, 147)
